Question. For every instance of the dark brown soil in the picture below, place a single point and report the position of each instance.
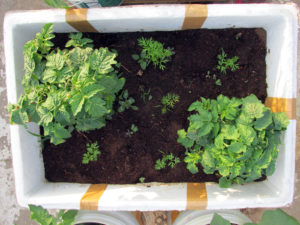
(124, 159)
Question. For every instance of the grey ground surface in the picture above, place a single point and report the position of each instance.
(11, 212)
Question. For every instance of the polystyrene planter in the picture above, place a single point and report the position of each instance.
(280, 23)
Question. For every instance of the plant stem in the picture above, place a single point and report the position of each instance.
(82, 134)
(126, 69)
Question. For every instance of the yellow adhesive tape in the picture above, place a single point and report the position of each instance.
(138, 216)
(287, 105)
(77, 18)
(89, 200)
(174, 215)
(196, 196)
(195, 16)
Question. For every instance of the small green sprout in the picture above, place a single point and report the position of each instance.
(92, 153)
(142, 179)
(126, 102)
(133, 129)
(168, 102)
(214, 77)
(76, 40)
(153, 51)
(225, 63)
(169, 160)
(218, 82)
(145, 94)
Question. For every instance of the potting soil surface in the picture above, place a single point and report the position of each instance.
(126, 156)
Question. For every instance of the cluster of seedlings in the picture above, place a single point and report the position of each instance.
(76, 89)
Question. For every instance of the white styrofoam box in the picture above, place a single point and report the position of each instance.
(280, 22)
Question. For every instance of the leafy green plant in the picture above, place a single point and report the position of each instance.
(145, 94)
(76, 40)
(133, 129)
(168, 102)
(92, 153)
(57, 4)
(41, 215)
(225, 63)
(153, 51)
(126, 102)
(169, 160)
(270, 217)
(66, 89)
(235, 138)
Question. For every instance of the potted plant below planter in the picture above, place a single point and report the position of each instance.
(227, 217)
(80, 89)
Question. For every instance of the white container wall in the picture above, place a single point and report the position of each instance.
(280, 22)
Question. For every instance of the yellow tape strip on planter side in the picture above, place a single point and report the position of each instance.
(196, 196)
(89, 200)
(287, 105)
(195, 16)
(77, 18)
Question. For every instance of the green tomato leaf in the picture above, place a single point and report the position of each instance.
(77, 102)
(49, 76)
(252, 107)
(195, 106)
(96, 107)
(281, 120)
(205, 130)
(225, 182)
(90, 90)
(277, 217)
(102, 60)
(230, 132)
(237, 147)
(60, 132)
(69, 217)
(90, 124)
(40, 215)
(192, 168)
(247, 134)
(55, 60)
(63, 116)
(45, 115)
(183, 139)
(29, 64)
(19, 116)
(219, 220)
(207, 160)
(263, 122)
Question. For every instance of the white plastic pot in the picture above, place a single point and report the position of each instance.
(197, 217)
(107, 218)
(281, 25)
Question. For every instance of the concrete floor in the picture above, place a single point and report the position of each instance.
(11, 212)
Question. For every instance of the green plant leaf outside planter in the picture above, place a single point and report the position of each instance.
(276, 217)
(108, 3)
(57, 4)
